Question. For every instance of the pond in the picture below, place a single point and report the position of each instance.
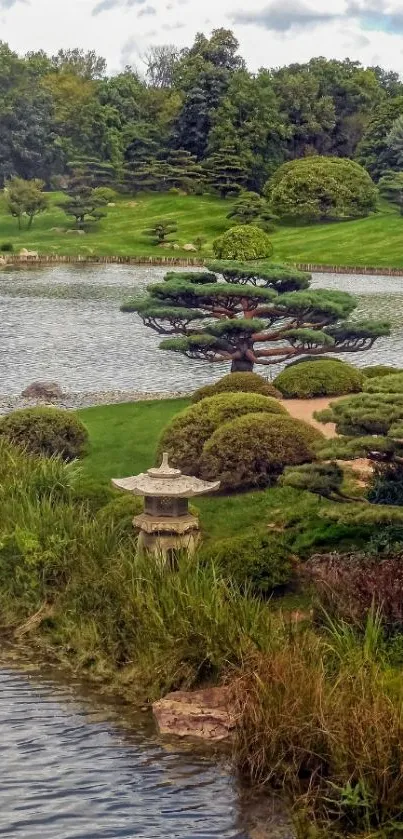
(63, 324)
(78, 767)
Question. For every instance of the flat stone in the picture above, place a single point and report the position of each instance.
(204, 714)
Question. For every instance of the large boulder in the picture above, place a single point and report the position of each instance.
(205, 714)
(43, 390)
(189, 247)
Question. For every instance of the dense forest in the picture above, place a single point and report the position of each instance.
(189, 117)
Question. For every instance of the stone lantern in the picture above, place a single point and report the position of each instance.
(166, 525)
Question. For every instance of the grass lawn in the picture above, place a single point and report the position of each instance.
(123, 441)
(375, 241)
(121, 233)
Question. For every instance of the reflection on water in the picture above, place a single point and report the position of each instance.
(64, 324)
(84, 770)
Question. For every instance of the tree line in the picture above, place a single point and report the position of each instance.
(195, 116)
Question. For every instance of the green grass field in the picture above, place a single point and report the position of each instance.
(376, 241)
(123, 442)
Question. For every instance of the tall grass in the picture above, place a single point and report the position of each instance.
(323, 716)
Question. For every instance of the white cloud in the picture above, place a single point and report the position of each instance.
(352, 28)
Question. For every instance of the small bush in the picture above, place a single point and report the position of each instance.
(243, 242)
(187, 433)
(46, 431)
(235, 383)
(7, 247)
(105, 193)
(386, 486)
(253, 450)
(258, 561)
(319, 378)
(91, 492)
(378, 370)
(119, 513)
(385, 384)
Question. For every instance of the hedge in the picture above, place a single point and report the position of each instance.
(253, 450)
(235, 383)
(319, 378)
(187, 433)
(46, 431)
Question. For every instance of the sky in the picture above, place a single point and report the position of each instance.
(271, 32)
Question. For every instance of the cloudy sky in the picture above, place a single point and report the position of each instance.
(271, 32)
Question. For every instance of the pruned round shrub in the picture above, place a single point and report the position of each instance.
(259, 561)
(321, 188)
(253, 450)
(385, 384)
(46, 431)
(319, 378)
(376, 371)
(187, 433)
(243, 242)
(235, 383)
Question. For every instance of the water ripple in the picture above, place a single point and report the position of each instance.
(72, 772)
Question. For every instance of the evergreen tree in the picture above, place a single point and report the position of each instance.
(160, 230)
(394, 140)
(256, 316)
(226, 172)
(391, 188)
(181, 169)
(92, 173)
(85, 204)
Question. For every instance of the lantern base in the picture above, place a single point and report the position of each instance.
(165, 536)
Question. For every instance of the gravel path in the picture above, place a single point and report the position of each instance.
(73, 401)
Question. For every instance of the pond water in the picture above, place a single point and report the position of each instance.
(64, 324)
(77, 767)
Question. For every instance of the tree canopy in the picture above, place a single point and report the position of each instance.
(238, 127)
(249, 315)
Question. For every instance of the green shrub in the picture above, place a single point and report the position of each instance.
(385, 384)
(321, 188)
(91, 492)
(253, 450)
(235, 383)
(188, 431)
(378, 370)
(243, 242)
(119, 513)
(46, 431)
(319, 378)
(257, 560)
(7, 247)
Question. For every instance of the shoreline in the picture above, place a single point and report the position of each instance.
(44, 260)
(77, 400)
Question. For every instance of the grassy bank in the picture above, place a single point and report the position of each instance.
(374, 241)
(320, 708)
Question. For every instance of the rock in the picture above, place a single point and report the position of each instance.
(75, 232)
(43, 390)
(3, 261)
(165, 245)
(111, 204)
(205, 714)
(132, 204)
(176, 247)
(25, 254)
(57, 230)
(189, 247)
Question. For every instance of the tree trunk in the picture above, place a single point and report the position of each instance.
(242, 365)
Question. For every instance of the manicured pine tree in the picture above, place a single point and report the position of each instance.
(254, 316)
(226, 172)
(90, 172)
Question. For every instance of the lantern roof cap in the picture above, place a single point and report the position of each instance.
(165, 481)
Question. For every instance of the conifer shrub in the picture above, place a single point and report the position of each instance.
(375, 371)
(188, 431)
(259, 561)
(253, 450)
(242, 243)
(385, 384)
(46, 431)
(235, 383)
(319, 378)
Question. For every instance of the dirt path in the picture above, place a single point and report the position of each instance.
(304, 409)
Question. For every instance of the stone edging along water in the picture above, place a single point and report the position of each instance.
(183, 262)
